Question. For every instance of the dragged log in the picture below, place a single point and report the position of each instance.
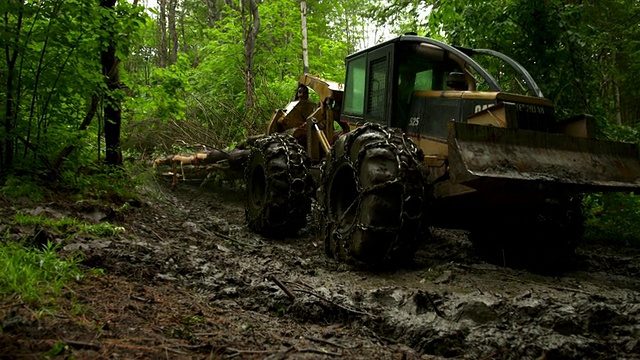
(203, 165)
(199, 158)
(237, 158)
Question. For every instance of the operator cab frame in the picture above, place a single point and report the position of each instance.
(381, 81)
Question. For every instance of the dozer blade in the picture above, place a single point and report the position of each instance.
(486, 157)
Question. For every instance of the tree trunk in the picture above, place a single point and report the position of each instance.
(182, 27)
(173, 34)
(251, 25)
(616, 89)
(212, 12)
(305, 52)
(162, 50)
(112, 113)
(7, 149)
(618, 104)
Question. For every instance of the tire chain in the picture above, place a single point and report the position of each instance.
(410, 161)
(296, 174)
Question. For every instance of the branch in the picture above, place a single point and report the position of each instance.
(283, 287)
(334, 303)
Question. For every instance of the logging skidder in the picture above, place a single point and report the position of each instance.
(421, 134)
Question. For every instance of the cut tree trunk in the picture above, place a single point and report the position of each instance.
(203, 165)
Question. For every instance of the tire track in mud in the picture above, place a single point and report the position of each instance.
(448, 303)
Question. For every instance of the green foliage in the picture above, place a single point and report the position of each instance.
(111, 185)
(201, 98)
(51, 68)
(621, 132)
(167, 87)
(37, 275)
(58, 348)
(68, 226)
(613, 218)
(16, 187)
(580, 59)
(93, 182)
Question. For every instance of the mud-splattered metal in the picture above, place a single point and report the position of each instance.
(491, 157)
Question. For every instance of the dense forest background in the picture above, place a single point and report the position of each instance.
(90, 82)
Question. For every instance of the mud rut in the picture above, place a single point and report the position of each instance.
(448, 303)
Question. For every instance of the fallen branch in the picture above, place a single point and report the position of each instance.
(556, 287)
(318, 351)
(139, 298)
(331, 343)
(157, 235)
(334, 303)
(283, 287)
(434, 306)
(237, 352)
(175, 351)
(299, 284)
(82, 344)
(228, 238)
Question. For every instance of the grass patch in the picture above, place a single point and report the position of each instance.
(68, 226)
(37, 275)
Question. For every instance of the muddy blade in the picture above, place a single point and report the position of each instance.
(485, 157)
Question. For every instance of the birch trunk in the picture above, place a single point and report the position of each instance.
(305, 52)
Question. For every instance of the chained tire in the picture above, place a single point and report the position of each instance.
(279, 187)
(540, 236)
(371, 197)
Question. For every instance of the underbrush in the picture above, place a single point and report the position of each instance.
(89, 182)
(612, 218)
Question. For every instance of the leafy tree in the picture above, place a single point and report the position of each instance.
(577, 55)
(51, 72)
(232, 73)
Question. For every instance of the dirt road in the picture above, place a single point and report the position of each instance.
(187, 279)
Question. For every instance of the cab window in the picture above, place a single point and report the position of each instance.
(354, 95)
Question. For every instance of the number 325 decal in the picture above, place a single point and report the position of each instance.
(414, 121)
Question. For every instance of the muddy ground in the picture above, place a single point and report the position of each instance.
(188, 280)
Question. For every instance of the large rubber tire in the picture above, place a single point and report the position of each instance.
(370, 197)
(279, 187)
(541, 236)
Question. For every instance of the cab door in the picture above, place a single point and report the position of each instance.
(378, 86)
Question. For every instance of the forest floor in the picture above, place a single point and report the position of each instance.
(188, 280)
